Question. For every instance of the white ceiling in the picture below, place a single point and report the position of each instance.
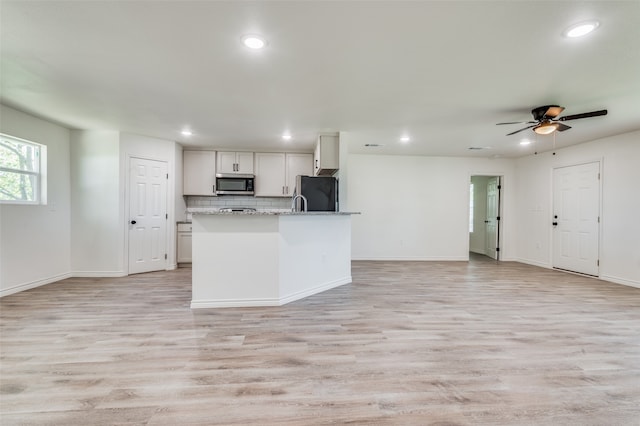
(442, 72)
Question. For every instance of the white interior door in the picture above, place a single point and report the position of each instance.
(492, 220)
(147, 215)
(576, 207)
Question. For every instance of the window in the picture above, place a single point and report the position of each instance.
(471, 207)
(20, 171)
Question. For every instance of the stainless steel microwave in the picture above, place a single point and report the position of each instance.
(234, 184)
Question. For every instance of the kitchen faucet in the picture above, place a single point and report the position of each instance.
(293, 202)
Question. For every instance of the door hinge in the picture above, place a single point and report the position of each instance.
(499, 186)
(167, 175)
(598, 176)
(598, 262)
(497, 248)
(165, 256)
(598, 219)
(498, 218)
(166, 215)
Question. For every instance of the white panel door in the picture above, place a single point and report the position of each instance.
(491, 221)
(576, 207)
(147, 215)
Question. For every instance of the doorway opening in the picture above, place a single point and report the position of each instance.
(485, 206)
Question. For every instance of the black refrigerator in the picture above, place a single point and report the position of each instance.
(321, 193)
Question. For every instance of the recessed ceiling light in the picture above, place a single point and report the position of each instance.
(525, 142)
(186, 133)
(581, 29)
(405, 139)
(254, 42)
(286, 137)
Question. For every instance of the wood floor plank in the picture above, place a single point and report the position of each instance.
(457, 343)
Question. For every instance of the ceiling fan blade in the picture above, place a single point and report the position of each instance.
(553, 111)
(562, 127)
(517, 122)
(583, 115)
(518, 131)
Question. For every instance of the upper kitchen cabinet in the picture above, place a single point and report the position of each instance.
(235, 163)
(326, 159)
(297, 164)
(199, 169)
(276, 172)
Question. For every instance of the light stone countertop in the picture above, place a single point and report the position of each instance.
(215, 211)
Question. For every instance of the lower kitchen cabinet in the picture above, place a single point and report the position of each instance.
(184, 243)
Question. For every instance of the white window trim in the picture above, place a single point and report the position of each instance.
(40, 181)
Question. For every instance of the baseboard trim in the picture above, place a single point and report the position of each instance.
(256, 303)
(622, 281)
(33, 284)
(98, 274)
(310, 292)
(234, 303)
(415, 259)
(534, 263)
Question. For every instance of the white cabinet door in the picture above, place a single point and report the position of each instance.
(244, 163)
(270, 175)
(226, 162)
(297, 164)
(326, 156)
(199, 172)
(184, 243)
(235, 163)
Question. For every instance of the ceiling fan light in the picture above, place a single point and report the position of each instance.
(545, 128)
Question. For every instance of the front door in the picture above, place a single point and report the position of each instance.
(492, 221)
(576, 206)
(147, 215)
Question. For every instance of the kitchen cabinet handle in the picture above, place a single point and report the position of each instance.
(133, 222)
(214, 189)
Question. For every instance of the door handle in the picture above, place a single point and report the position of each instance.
(133, 222)
(554, 223)
(486, 221)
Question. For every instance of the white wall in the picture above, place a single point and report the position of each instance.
(417, 208)
(477, 238)
(35, 240)
(96, 234)
(620, 226)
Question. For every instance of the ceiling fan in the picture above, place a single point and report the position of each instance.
(547, 120)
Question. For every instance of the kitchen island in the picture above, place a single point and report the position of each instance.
(267, 258)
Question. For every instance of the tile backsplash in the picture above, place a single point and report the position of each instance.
(258, 203)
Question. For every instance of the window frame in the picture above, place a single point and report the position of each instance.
(38, 182)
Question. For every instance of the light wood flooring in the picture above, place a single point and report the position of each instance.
(407, 343)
